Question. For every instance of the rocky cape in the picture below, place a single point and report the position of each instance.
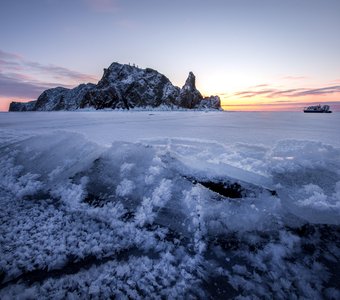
(123, 87)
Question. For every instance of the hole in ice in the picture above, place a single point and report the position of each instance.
(230, 189)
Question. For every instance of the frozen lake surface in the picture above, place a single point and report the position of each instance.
(181, 204)
(225, 127)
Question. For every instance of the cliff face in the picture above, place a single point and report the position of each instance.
(122, 86)
(58, 98)
(22, 106)
(189, 96)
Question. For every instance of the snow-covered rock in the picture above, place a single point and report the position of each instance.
(58, 98)
(125, 86)
(210, 102)
(122, 86)
(189, 96)
(22, 106)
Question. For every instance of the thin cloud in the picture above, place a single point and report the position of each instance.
(284, 93)
(319, 91)
(298, 92)
(60, 72)
(259, 86)
(294, 77)
(20, 87)
(7, 64)
(10, 62)
(223, 94)
(17, 77)
(253, 93)
(9, 56)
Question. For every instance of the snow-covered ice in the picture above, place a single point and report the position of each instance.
(185, 204)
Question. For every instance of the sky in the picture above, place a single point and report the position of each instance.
(254, 54)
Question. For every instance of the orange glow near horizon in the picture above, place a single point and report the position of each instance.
(259, 103)
(276, 93)
(255, 103)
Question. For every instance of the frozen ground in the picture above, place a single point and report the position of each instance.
(169, 204)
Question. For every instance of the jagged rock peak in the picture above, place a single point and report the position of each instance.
(190, 83)
(189, 96)
(125, 73)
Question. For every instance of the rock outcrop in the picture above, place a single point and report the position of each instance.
(125, 86)
(210, 102)
(122, 86)
(22, 106)
(189, 96)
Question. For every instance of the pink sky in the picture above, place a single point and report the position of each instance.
(263, 55)
(24, 80)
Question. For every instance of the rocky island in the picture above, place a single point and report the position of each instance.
(123, 87)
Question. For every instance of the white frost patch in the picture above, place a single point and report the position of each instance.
(126, 168)
(147, 212)
(71, 194)
(314, 197)
(125, 188)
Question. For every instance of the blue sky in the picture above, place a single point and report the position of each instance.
(233, 46)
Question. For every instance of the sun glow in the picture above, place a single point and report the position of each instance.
(258, 103)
